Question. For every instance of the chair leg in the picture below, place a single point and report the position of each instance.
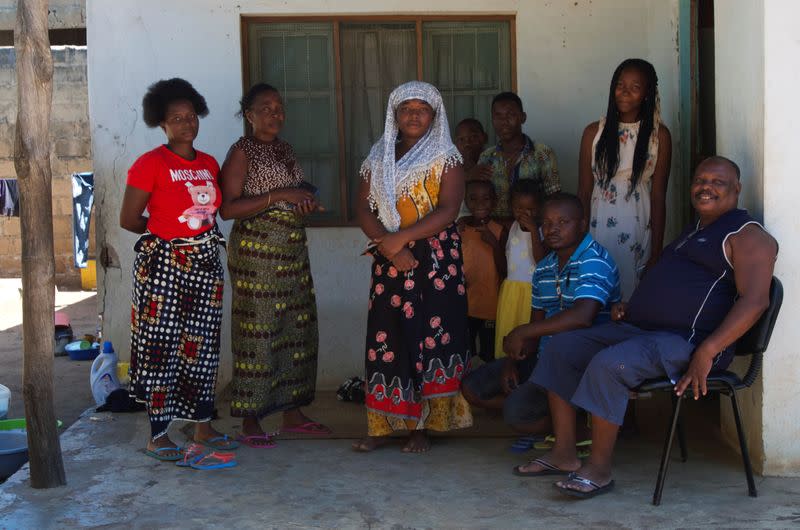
(662, 470)
(681, 434)
(748, 469)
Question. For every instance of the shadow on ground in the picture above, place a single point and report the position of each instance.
(70, 378)
(465, 481)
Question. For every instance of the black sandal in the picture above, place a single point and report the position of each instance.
(596, 490)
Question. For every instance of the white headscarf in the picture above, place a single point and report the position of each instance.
(389, 179)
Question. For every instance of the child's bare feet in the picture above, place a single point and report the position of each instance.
(417, 443)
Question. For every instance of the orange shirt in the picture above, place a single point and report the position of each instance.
(422, 198)
(480, 271)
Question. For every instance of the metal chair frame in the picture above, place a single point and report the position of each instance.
(753, 343)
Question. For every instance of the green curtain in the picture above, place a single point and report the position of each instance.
(469, 62)
(298, 60)
(375, 59)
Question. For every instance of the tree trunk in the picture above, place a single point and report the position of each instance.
(32, 164)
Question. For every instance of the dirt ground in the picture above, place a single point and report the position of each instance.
(72, 392)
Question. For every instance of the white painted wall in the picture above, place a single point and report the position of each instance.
(739, 95)
(781, 137)
(566, 49)
(757, 76)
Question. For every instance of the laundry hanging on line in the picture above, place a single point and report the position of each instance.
(9, 197)
(82, 201)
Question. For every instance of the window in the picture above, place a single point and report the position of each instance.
(335, 75)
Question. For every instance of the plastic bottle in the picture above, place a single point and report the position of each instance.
(103, 375)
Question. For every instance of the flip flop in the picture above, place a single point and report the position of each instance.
(525, 443)
(249, 440)
(596, 490)
(549, 469)
(311, 427)
(191, 452)
(156, 453)
(220, 442)
(214, 461)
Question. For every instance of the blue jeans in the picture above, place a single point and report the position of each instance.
(595, 368)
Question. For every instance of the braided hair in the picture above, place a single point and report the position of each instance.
(606, 155)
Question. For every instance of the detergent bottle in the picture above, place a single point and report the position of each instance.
(103, 376)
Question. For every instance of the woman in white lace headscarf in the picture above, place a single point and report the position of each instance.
(417, 338)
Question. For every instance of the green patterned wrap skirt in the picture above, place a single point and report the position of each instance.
(274, 315)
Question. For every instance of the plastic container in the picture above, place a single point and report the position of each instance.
(5, 398)
(103, 375)
(89, 276)
(13, 452)
(122, 373)
(82, 350)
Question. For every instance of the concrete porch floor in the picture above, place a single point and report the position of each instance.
(464, 482)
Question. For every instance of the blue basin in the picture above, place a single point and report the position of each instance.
(13, 452)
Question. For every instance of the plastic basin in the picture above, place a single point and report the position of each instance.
(13, 452)
(18, 424)
(77, 352)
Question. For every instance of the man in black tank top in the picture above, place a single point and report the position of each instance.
(708, 288)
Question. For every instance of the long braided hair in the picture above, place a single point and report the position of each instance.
(606, 156)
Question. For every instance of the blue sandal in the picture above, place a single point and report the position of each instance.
(156, 453)
(214, 461)
(526, 443)
(224, 443)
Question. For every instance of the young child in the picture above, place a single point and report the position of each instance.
(484, 265)
(470, 141)
(524, 248)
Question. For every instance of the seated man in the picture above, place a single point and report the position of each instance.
(709, 287)
(573, 286)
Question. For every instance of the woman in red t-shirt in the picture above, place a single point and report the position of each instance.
(177, 275)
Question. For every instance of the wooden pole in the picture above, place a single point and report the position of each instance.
(32, 164)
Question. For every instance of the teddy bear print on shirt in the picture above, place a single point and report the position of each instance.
(202, 211)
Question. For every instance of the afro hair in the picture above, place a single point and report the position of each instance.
(160, 94)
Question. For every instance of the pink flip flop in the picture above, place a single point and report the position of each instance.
(311, 427)
(249, 441)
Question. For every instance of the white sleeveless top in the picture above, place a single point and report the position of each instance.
(519, 255)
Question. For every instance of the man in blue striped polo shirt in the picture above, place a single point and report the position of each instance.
(573, 287)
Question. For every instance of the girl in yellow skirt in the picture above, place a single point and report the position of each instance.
(524, 248)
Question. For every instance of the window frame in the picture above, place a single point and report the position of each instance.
(336, 21)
